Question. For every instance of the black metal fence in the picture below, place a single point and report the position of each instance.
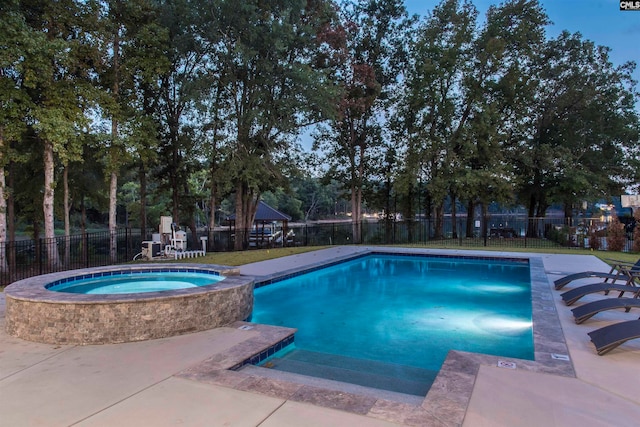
(28, 258)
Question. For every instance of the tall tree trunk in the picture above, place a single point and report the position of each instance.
(239, 225)
(428, 202)
(142, 176)
(355, 224)
(532, 229)
(410, 214)
(11, 220)
(113, 182)
(388, 219)
(3, 224)
(113, 198)
(84, 250)
(67, 221)
(484, 219)
(175, 190)
(246, 205)
(454, 219)
(48, 207)
(213, 194)
(439, 211)
(541, 211)
(3, 210)
(357, 201)
(213, 176)
(194, 232)
(470, 218)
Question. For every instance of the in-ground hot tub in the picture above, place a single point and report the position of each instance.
(36, 313)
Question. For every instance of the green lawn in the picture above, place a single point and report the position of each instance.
(247, 257)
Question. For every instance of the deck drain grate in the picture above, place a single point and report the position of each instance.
(507, 365)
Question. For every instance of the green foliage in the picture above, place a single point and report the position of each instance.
(595, 238)
(616, 236)
(203, 99)
(559, 235)
(636, 231)
(264, 59)
(585, 126)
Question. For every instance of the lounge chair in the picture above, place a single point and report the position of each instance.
(619, 270)
(575, 294)
(590, 309)
(609, 337)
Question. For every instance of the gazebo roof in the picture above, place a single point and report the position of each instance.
(266, 213)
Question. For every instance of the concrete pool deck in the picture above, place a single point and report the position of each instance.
(149, 383)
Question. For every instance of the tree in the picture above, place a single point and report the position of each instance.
(497, 94)
(133, 51)
(464, 100)
(435, 107)
(186, 56)
(584, 127)
(14, 33)
(147, 62)
(374, 31)
(269, 54)
(56, 79)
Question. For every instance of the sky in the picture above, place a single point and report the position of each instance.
(600, 21)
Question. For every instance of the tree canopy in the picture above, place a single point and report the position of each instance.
(194, 108)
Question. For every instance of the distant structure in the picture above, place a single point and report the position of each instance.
(270, 227)
(630, 201)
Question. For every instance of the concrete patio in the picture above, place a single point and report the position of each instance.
(149, 383)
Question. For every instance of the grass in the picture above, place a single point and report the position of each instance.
(248, 257)
(606, 256)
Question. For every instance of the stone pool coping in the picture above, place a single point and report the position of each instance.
(446, 402)
(34, 288)
(38, 314)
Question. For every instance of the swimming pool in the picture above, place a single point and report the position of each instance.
(141, 281)
(405, 310)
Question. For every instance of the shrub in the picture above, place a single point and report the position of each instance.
(559, 235)
(616, 236)
(636, 231)
(594, 238)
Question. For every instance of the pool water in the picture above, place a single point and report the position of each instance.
(127, 283)
(405, 310)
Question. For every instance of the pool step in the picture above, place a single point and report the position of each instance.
(368, 373)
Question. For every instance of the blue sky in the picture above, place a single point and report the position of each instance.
(600, 21)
